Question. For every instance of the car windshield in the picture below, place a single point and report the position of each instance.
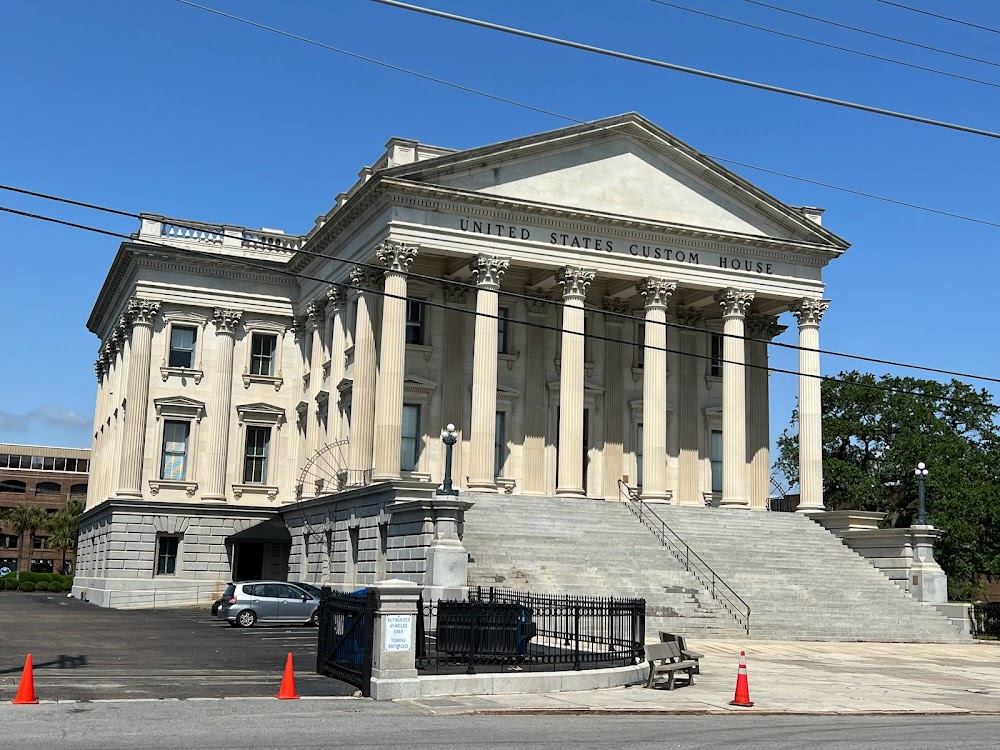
(230, 590)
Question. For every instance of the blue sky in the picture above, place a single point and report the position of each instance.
(158, 107)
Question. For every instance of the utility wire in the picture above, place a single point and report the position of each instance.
(684, 69)
(578, 121)
(943, 18)
(828, 45)
(276, 268)
(529, 298)
(859, 30)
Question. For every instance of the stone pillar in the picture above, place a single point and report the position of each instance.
(453, 377)
(315, 323)
(574, 282)
(366, 281)
(535, 394)
(735, 303)
(397, 260)
(336, 297)
(394, 642)
(116, 409)
(447, 574)
(760, 330)
(690, 320)
(809, 313)
(654, 389)
(222, 397)
(489, 269)
(141, 313)
(614, 394)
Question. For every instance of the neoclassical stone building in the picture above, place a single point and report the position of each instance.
(586, 305)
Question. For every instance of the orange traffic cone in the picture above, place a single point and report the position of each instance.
(742, 697)
(287, 690)
(26, 691)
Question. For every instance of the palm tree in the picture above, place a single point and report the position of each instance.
(63, 529)
(23, 518)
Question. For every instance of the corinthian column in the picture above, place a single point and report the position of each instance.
(654, 388)
(760, 330)
(335, 310)
(809, 313)
(397, 260)
(222, 399)
(614, 396)
(315, 322)
(574, 282)
(363, 390)
(735, 303)
(489, 269)
(141, 314)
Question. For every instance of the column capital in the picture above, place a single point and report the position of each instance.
(574, 281)
(142, 312)
(690, 317)
(99, 368)
(315, 313)
(396, 258)
(455, 292)
(226, 320)
(656, 292)
(763, 327)
(365, 277)
(539, 302)
(335, 297)
(808, 311)
(489, 269)
(734, 302)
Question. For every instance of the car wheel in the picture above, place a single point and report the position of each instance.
(314, 620)
(246, 618)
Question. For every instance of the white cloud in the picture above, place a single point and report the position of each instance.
(48, 414)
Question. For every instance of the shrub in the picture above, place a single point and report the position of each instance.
(41, 586)
(68, 585)
(9, 583)
(27, 586)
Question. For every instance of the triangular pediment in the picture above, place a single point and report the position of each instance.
(624, 166)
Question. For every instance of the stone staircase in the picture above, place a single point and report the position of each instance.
(799, 580)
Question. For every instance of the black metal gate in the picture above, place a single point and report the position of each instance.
(346, 627)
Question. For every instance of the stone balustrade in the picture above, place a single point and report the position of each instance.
(271, 242)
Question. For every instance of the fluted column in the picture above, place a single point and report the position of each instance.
(689, 484)
(141, 314)
(657, 293)
(735, 303)
(119, 340)
(397, 260)
(760, 330)
(809, 313)
(336, 298)
(315, 322)
(536, 409)
(225, 322)
(363, 390)
(454, 391)
(488, 269)
(613, 454)
(574, 282)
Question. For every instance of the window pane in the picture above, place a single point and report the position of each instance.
(638, 454)
(262, 348)
(166, 556)
(716, 365)
(182, 346)
(499, 444)
(175, 449)
(503, 330)
(255, 457)
(409, 451)
(415, 321)
(640, 344)
(37, 462)
(82, 464)
(716, 461)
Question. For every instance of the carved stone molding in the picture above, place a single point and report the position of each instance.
(226, 320)
(488, 270)
(734, 301)
(809, 312)
(396, 258)
(617, 305)
(691, 317)
(538, 304)
(335, 297)
(455, 293)
(763, 327)
(364, 277)
(142, 312)
(656, 292)
(574, 281)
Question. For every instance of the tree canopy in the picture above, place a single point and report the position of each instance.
(876, 430)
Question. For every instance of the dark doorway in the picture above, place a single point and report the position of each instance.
(249, 561)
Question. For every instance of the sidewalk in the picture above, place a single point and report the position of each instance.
(789, 677)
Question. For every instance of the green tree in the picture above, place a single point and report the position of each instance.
(873, 437)
(63, 529)
(23, 518)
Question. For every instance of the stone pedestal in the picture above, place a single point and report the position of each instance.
(394, 645)
(928, 582)
(447, 574)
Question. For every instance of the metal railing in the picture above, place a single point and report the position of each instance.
(505, 630)
(985, 618)
(346, 631)
(721, 591)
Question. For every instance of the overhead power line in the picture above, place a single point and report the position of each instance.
(684, 69)
(875, 34)
(943, 18)
(828, 45)
(470, 286)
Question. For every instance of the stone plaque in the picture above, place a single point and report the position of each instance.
(398, 632)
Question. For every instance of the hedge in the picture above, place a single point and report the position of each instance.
(41, 586)
(27, 586)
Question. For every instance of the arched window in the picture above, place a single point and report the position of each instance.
(13, 485)
(78, 489)
(48, 488)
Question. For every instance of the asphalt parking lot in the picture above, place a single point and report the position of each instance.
(84, 652)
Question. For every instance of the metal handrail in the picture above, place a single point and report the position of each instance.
(693, 563)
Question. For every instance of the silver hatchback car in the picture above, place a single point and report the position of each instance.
(247, 603)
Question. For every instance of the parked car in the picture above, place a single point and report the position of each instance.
(246, 603)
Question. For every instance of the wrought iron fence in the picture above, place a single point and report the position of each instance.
(346, 628)
(505, 630)
(985, 619)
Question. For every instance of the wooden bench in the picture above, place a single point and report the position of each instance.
(685, 651)
(666, 659)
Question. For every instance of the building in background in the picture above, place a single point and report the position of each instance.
(48, 478)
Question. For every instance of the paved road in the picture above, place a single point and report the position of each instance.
(85, 652)
(354, 723)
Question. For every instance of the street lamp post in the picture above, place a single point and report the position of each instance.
(449, 437)
(921, 474)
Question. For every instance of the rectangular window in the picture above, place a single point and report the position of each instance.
(715, 366)
(262, 348)
(409, 451)
(640, 344)
(716, 461)
(503, 330)
(82, 465)
(500, 444)
(182, 340)
(415, 314)
(166, 555)
(638, 455)
(588, 341)
(255, 457)
(175, 449)
(60, 464)
(37, 462)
